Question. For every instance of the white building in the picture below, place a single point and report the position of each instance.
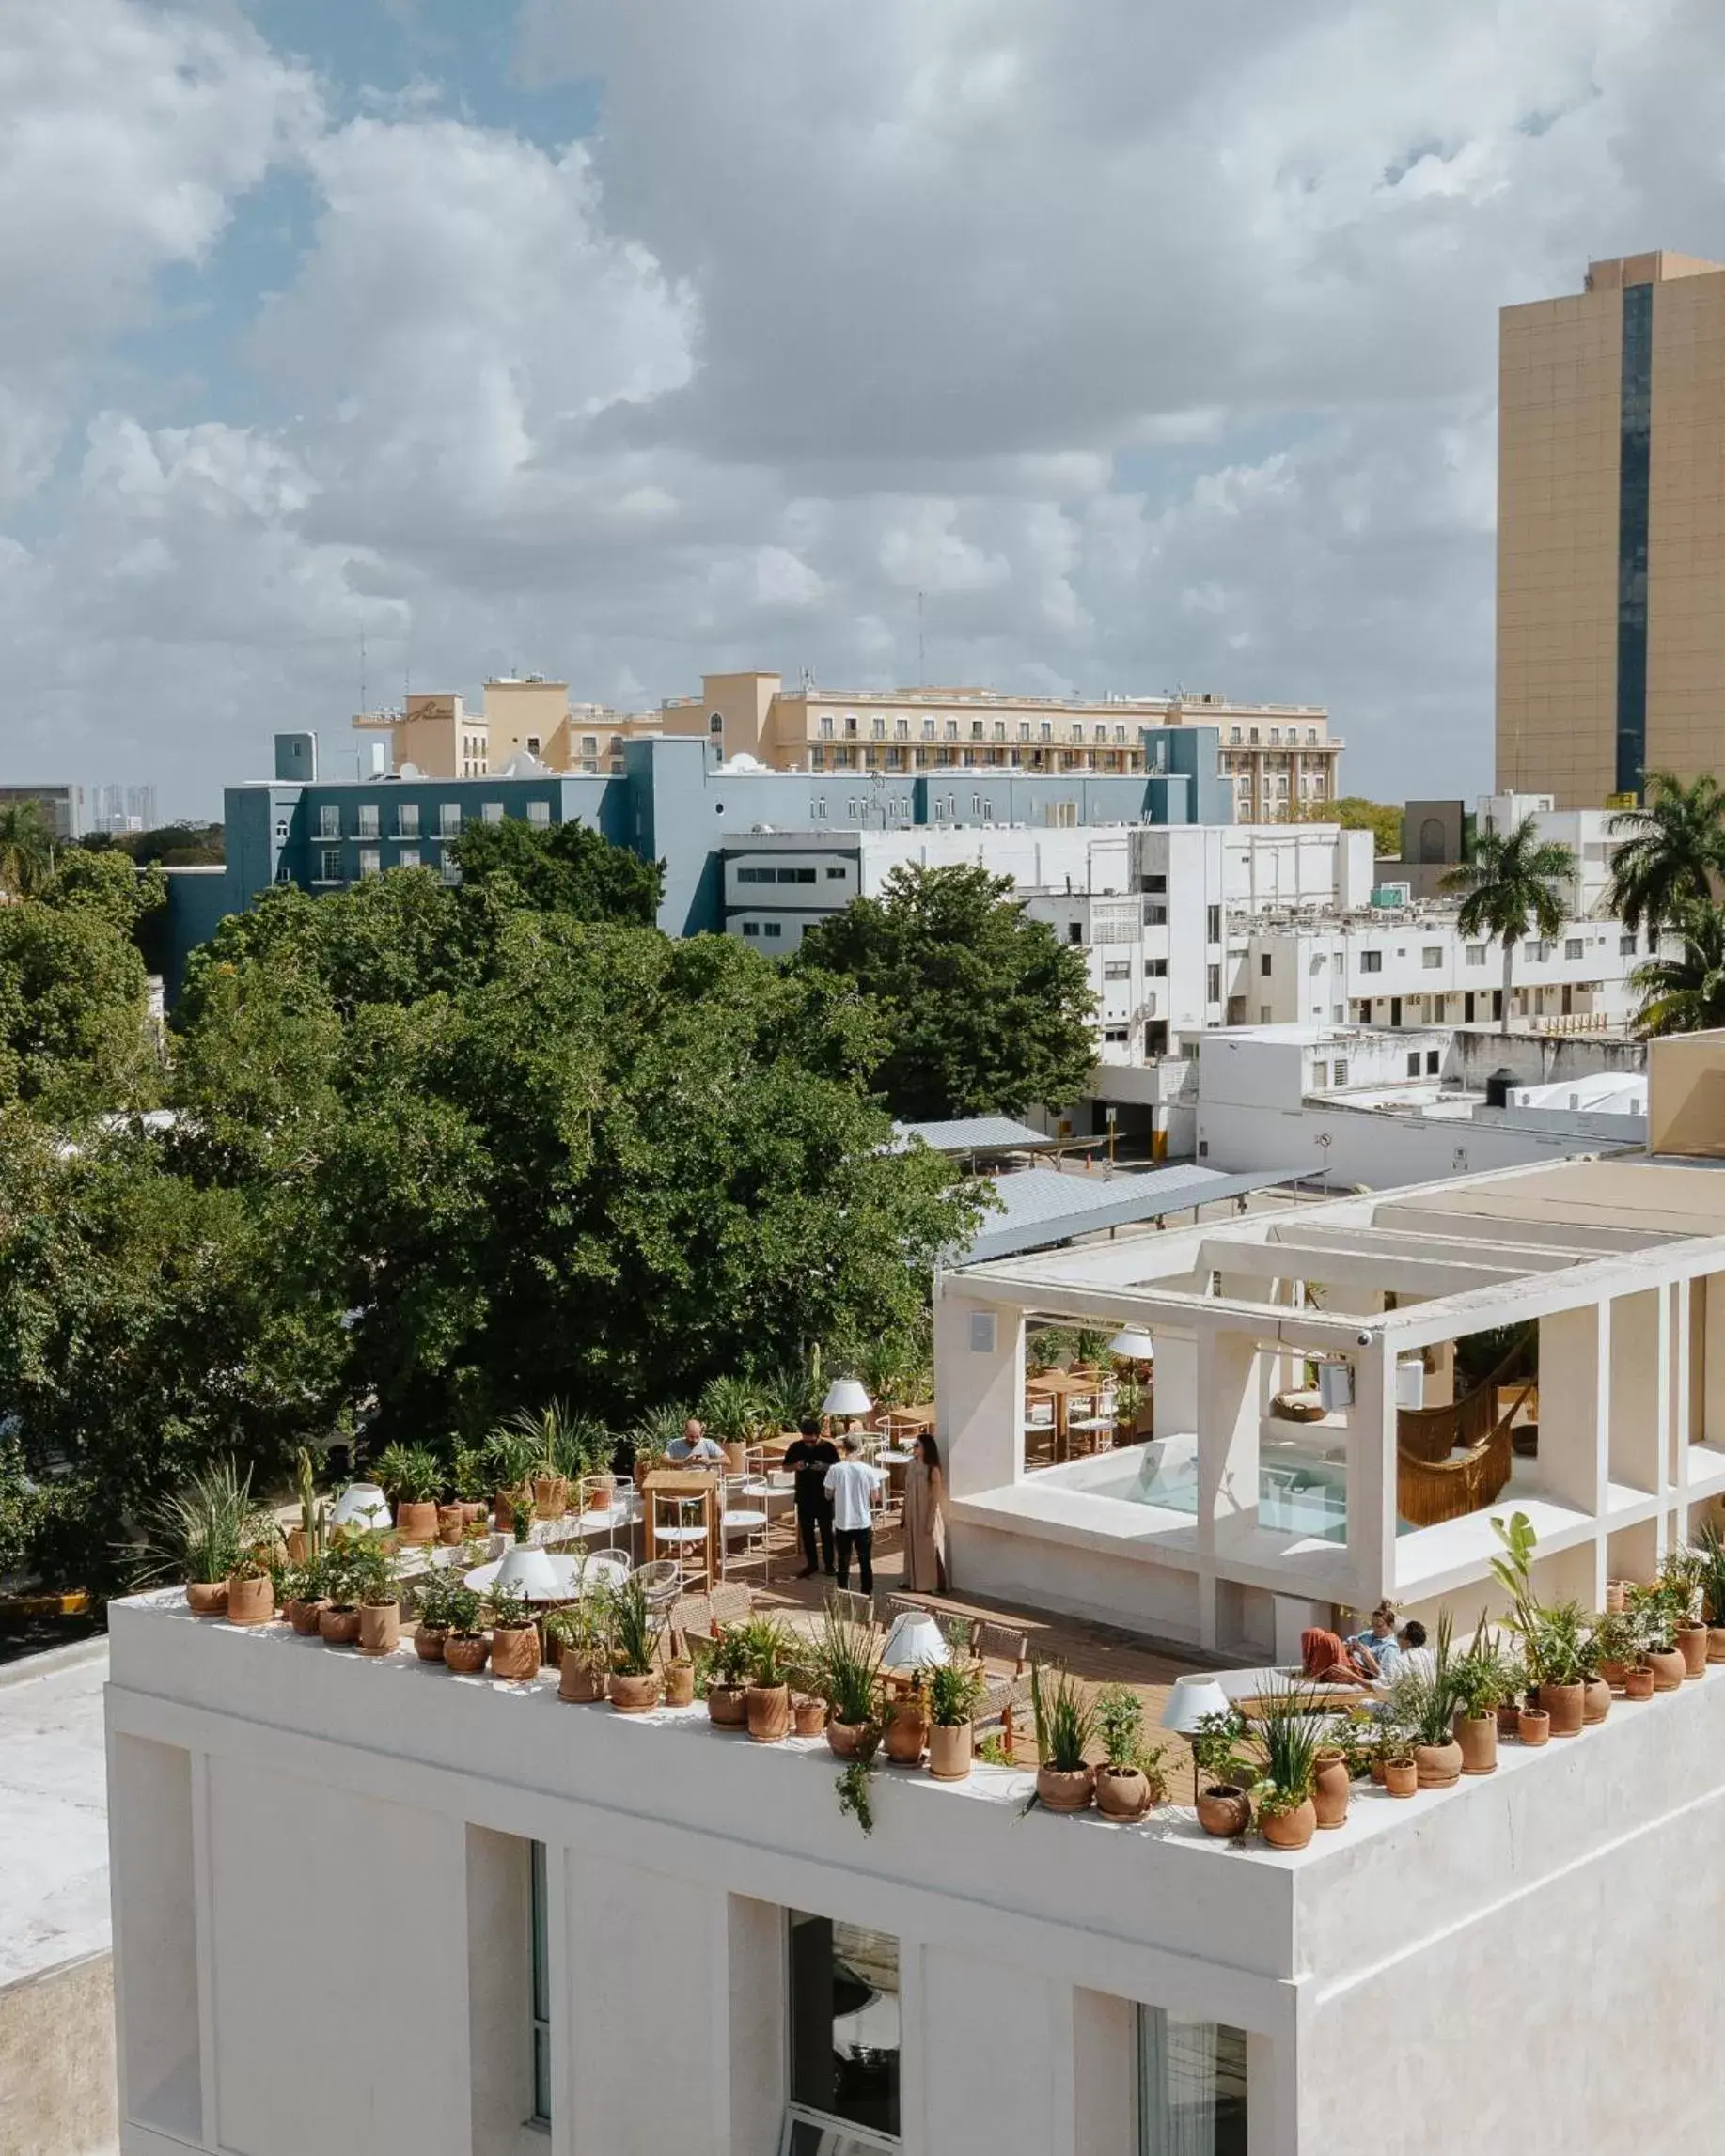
(370, 1909)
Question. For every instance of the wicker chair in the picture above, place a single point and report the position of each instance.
(702, 1615)
(1003, 1692)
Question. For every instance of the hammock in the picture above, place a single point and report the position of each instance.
(1430, 1491)
(1432, 1433)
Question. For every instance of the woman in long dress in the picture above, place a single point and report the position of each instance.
(925, 1520)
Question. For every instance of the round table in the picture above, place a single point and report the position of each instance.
(890, 1457)
(575, 1576)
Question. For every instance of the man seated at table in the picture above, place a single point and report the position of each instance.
(694, 1447)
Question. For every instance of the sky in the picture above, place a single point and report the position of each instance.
(1153, 345)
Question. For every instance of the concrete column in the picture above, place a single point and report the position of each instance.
(1371, 1475)
(1639, 1388)
(756, 2048)
(1272, 2098)
(1574, 1406)
(499, 1991)
(1712, 1291)
(1174, 1405)
(1003, 2057)
(979, 1392)
(1228, 1419)
(1104, 2074)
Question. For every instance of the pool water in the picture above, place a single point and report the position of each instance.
(1298, 1492)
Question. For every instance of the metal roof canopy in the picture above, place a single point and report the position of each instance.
(975, 1134)
(1040, 1206)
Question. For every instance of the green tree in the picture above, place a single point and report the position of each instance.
(986, 1012)
(1686, 994)
(564, 869)
(1506, 880)
(1672, 851)
(26, 848)
(1355, 812)
(75, 1033)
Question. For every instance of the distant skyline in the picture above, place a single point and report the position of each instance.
(619, 343)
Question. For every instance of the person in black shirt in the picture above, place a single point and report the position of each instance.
(812, 1455)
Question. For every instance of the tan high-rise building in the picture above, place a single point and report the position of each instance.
(1611, 532)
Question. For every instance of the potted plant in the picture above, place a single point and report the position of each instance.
(1485, 1680)
(1682, 1574)
(470, 1480)
(854, 1796)
(1710, 1549)
(1224, 1772)
(465, 1646)
(1065, 1725)
(680, 1681)
(198, 1533)
(431, 1611)
(1533, 1724)
(1124, 1785)
(306, 1540)
(303, 1593)
(634, 1650)
(512, 1454)
(344, 1573)
(1292, 1724)
(1614, 1648)
(1551, 1637)
(727, 1672)
(768, 1698)
(1595, 1691)
(515, 1637)
(732, 1412)
(1426, 1708)
(954, 1692)
(380, 1601)
(848, 1662)
(411, 1477)
(1658, 1612)
(906, 1722)
(1396, 1750)
(650, 1440)
(579, 1639)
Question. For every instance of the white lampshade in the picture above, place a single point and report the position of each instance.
(846, 1396)
(914, 1642)
(1410, 1382)
(1191, 1699)
(361, 1504)
(1132, 1344)
(526, 1570)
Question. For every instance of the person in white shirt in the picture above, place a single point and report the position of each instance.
(850, 1486)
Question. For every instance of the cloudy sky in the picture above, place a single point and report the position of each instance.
(621, 338)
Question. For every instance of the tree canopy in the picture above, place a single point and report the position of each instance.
(1685, 992)
(1355, 812)
(1669, 851)
(986, 1010)
(563, 869)
(1507, 884)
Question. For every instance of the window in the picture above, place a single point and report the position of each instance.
(1153, 882)
(1431, 956)
(1311, 737)
(1275, 735)
(1045, 730)
(370, 860)
(1573, 946)
(1370, 961)
(835, 875)
(901, 730)
(1000, 729)
(409, 857)
(329, 865)
(1233, 737)
(1119, 735)
(1213, 924)
(1476, 954)
(589, 744)
(367, 825)
(1155, 969)
(1431, 1062)
(772, 929)
(329, 826)
(1191, 2087)
(927, 729)
(493, 812)
(796, 875)
(1320, 1076)
(877, 730)
(827, 726)
(407, 819)
(1254, 737)
(1024, 729)
(1340, 1074)
(449, 870)
(1264, 1014)
(1075, 931)
(539, 815)
(449, 820)
(1265, 964)
(540, 1988)
(751, 927)
(1213, 985)
(844, 2036)
(1413, 1065)
(1116, 969)
(953, 729)
(850, 726)
(1116, 1036)
(533, 739)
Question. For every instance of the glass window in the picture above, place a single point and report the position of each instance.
(1573, 946)
(409, 857)
(589, 744)
(835, 873)
(850, 726)
(449, 870)
(1431, 1062)
(329, 869)
(541, 1993)
(1370, 961)
(953, 729)
(1116, 969)
(538, 814)
(367, 820)
(329, 826)
(1320, 1075)
(844, 2036)
(493, 812)
(1265, 962)
(1431, 956)
(370, 860)
(901, 730)
(1047, 731)
(450, 819)
(1626, 946)
(1476, 954)
(1214, 985)
(407, 819)
(927, 729)
(877, 730)
(773, 928)
(1213, 924)
(1191, 2087)
(1341, 1071)
(751, 927)
(827, 726)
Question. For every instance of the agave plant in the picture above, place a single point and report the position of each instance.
(732, 1409)
(1293, 1723)
(651, 1436)
(199, 1531)
(1065, 1723)
(788, 1391)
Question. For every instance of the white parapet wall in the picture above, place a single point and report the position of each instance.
(322, 1929)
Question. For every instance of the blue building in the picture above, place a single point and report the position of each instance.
(673, 802)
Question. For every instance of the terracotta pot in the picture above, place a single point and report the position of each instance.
(1437, 1766)
(1121, 1792)
(679, 1685)
(428, 1642)
(1477, 1735)
(416, 1523)
(1616, 1598)
(1377, 1772)
(843, 1739)
(1063, 1790)
(580, 1678)
(601, 1490)
(550, 1496)
(1611, 1674)
(340, 1628)
(728, 1704)
(808, 1714)
(1289, 1830)
(1715, 1643)
(950, 1746)
(251, 1601)
(1565, 1704)
(1224, 1811)
(1595, 1699)
(296, 1546)
(515, 1653)
(465, 1653)
(769, 1712)
(207, 1597)
(1506, 1717)
(380, 1627)
(1401, 1777)
(304, 1616)
(451, 1525)
(503, 1513)
(1669, 1669)
(1533, 1726)
(1692, 1645)
(907, 1731)
(629, 1695)
(641, 1470)
(1639, 1683)
(475, 1511)
(1331, 1789)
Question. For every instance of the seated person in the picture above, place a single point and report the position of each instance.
(1414, 1653)
(1378, 1646)
(1328, 1659)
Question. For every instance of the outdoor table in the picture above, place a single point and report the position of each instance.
(1063, 1388)
(895, 1462)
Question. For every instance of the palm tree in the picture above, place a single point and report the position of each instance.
(1508, 880)
(1685, 994)
(1674, 846)
(26, 848)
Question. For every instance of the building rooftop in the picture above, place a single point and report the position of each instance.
(977, 1135)
(54, 1813)
(1043, 1206)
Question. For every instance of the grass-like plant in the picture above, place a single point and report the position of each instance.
(411, 1473)
(1710, 1550)
(1065, 1722)
(732, 1409)
(772, 1651)
(511, 1454)
(1292, 1723)
(634, 1630)
(199, 1531)
(1426, 1705)
(955, 1692)
(848, 1661)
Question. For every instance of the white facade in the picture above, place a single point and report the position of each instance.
(324, 1916)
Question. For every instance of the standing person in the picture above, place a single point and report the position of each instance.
(925, 1518)
(811, 1455)
(850, 1486)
